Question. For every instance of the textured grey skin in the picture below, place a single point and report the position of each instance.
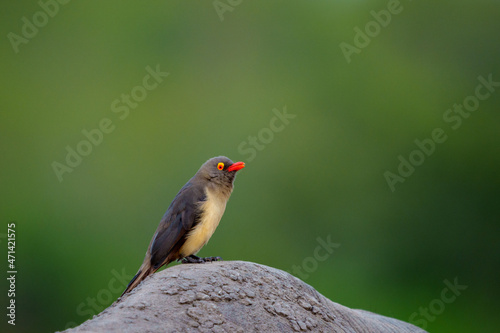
(233, 296)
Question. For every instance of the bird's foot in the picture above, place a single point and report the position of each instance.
(192, 259)
(210, 259)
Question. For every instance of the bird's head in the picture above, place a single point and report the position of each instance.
(220, 171)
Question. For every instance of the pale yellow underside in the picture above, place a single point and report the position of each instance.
(213, 209)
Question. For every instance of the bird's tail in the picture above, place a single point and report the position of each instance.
(143, 273)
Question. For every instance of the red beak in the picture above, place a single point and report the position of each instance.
(236, 166)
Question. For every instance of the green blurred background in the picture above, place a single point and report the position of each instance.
(322, 175)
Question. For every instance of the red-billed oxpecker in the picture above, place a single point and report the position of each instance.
(191, 218)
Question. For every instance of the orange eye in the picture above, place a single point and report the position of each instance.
(220, 166)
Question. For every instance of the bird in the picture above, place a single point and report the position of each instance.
(191, 218)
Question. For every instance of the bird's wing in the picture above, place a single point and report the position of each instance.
(181, 216)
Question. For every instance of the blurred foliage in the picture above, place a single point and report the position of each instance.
(322, 175)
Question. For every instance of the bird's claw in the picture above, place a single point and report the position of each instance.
(210, 259)
(192, 259)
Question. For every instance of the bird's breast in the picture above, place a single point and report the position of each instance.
(212, 210)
